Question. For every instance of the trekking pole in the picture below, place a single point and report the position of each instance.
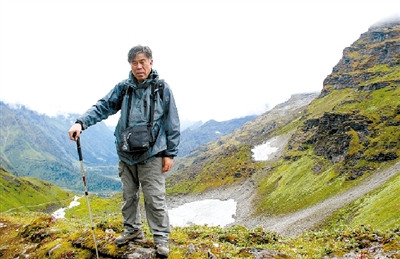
(78, 144)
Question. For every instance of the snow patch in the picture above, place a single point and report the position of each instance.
(263, 151)
(211, 212)
(60, 213)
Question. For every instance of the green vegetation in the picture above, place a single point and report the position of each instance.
(223, 169)
(380, 208)
(330, 102)
(30, 194)
(36, 145)
(72, 238)
(99, 206)
(292, 185)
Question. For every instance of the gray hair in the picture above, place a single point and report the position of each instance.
(137, 50)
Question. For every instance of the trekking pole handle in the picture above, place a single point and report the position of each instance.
(78, 146)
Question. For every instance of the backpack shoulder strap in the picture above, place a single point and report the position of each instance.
(127, 91)
(159, 87)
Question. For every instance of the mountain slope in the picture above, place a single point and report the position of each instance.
(348, 132)
(293, 224)
(36, 145)
(380, 207)
(343, 137)
(228, 160)
(191, 138)
(30, 194)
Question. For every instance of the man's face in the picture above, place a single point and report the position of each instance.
(141, 67)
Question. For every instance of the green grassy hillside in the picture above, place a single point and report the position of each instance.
(30, 194)
(380, 209)
(28, 233)
(38, 145)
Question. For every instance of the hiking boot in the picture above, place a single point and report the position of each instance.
(125, 237)
(162, 250)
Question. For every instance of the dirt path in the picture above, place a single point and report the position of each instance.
(36, 205)
(290, 224)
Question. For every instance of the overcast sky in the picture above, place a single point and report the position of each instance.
(222, 59)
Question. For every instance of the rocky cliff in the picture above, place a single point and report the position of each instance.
(371, 62)
(353, 134)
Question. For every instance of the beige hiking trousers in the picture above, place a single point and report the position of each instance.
(152, 181)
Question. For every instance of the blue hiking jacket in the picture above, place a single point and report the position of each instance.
(166, 124)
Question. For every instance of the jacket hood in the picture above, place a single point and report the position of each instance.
(132, 81)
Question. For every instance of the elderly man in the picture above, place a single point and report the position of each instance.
(147, 139)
